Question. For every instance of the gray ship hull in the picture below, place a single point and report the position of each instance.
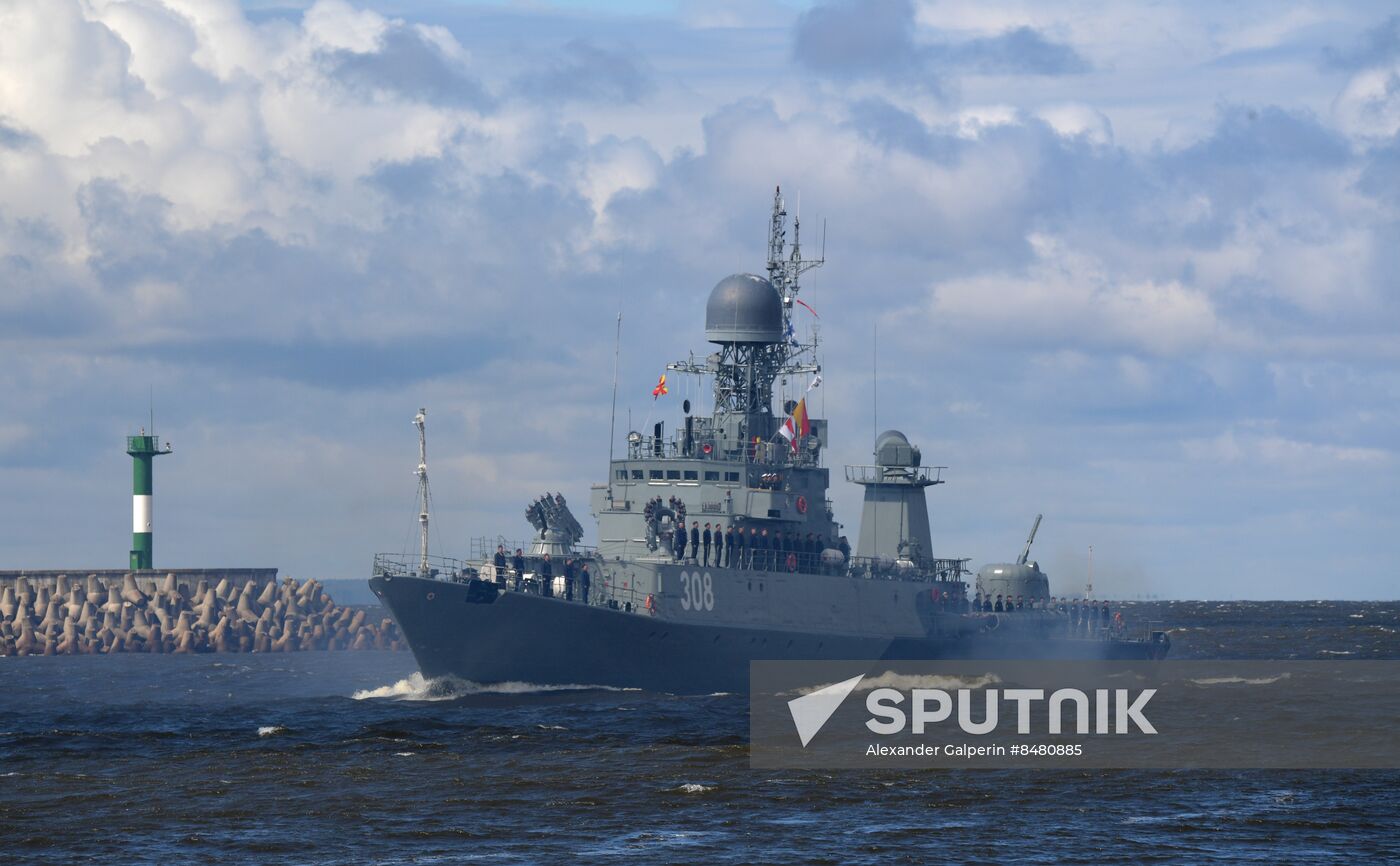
(472, 631)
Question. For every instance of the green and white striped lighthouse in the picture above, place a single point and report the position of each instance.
(142, 449)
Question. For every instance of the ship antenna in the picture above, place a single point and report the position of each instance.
(419, 422)
(612, 425)
(776, 240)
(1089, 586)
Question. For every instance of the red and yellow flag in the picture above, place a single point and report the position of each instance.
(798, 425)
(660, 389)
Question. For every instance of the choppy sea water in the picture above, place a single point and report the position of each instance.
(354, 758)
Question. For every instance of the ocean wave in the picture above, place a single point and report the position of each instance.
(693, 788)
(417, 687)
(1256, 681)
(271, 730)
(906, 682)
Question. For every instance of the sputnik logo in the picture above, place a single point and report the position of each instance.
(811, 711)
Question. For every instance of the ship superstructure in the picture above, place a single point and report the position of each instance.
(718, 543)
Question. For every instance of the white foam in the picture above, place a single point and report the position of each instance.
(416, 687)
(906, 682)
(271, 730)
(692, 788)
(1259, 681)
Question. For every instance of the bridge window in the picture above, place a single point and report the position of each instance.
(638, 474)
(673, 474)
(691, 475)
(622, 475)
(711, 476)
(656, 475)
(731, 476)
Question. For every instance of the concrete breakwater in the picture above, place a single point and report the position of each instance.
(95, 615)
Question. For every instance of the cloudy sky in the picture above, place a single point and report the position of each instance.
(1132, 266)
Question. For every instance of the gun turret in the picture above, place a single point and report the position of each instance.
(1026, 551)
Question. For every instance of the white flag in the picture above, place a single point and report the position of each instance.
(816, 380)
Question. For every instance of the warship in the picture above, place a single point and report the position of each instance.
(664, 604)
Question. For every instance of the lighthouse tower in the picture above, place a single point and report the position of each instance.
(142, 448)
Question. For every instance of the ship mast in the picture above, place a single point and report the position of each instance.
(419, 422)
(745, 369)
(785, 268)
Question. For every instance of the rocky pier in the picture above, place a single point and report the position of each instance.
(97, 615)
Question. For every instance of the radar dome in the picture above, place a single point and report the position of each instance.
(744, 308)
(892, 448)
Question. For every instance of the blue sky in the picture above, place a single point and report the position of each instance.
(1132, 265)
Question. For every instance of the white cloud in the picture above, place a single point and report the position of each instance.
(1073, 120)
(1066, 296)
(1369, 106)
(1281, 453)
(337, 24)
(292, 224)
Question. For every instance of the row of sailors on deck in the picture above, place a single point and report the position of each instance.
(1074, 608)
(575, 573)
(1080, 613)
(722, 547)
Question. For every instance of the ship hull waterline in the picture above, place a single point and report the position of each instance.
(472, 632)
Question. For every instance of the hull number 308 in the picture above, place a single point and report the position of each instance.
(697, 591)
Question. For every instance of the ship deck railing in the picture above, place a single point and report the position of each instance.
(451, 568)
(411, 565)
(777, 453)
(931, 570)
(922, 475)
(483, 547)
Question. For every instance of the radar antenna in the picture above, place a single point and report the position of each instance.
(419, 422)
(749, 363)
(1026, 551)
(785, 269)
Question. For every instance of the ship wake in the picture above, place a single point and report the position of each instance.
(417, 687)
